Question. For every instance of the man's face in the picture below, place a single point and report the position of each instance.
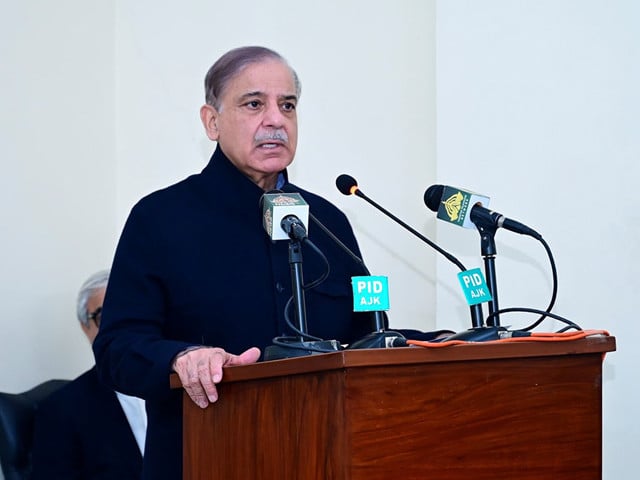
(257, 125)
(93, 303)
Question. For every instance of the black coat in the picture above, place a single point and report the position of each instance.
(82, 433)
(194, 266)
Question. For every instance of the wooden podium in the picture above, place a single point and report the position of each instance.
(478, 411)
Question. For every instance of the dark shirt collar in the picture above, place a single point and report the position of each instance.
(222, 169)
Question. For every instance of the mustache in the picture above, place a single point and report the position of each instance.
(278, 134)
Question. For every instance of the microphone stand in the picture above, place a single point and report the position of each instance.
(288, 347)
(481, 333)
(476, 310)
(295, 262)
(380, 337)
(488, 252)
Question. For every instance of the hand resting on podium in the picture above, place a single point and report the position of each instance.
(200, 368)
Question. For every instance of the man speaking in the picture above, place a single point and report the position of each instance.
(196, 284)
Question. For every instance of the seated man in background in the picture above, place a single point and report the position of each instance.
(84, 430)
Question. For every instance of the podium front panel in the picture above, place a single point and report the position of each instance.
(487, 412)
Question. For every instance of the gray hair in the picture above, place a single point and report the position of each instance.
(91, 285)
(231, 64)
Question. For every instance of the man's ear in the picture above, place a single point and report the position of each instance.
(209, 117)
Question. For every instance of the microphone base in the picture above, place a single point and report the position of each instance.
(294, 347)
(381, 339)
(477, 334)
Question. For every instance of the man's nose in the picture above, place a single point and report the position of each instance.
(273, 116)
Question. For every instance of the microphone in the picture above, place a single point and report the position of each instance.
(380, 338)
(466, 209)
(293, 227)
(349, 186)
(289, 210)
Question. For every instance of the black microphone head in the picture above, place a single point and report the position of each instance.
(433, 196)
(345, 184)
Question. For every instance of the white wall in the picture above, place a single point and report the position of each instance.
(538, 108)
(57, 189)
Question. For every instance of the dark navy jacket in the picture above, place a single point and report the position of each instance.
(194, 266)
(82, 433)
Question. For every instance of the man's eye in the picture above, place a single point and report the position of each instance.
(288, 106)
(254, 104)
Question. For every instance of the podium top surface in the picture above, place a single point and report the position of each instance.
(346, 359)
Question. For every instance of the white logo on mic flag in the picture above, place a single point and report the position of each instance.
(370, 293)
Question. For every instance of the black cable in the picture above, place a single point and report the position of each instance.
(287, 318)
(282, 340)
(569, 323)
(324, 276)
(554, 293)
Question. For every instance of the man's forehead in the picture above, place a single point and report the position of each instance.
(264, 78)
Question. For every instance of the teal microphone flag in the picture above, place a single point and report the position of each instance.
(370, 293)
(474, 286)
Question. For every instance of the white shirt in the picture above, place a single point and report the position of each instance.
(136, 416)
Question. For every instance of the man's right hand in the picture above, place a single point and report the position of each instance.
(200, 370)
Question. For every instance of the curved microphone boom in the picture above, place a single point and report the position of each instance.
(349, 186)
(380, 337)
